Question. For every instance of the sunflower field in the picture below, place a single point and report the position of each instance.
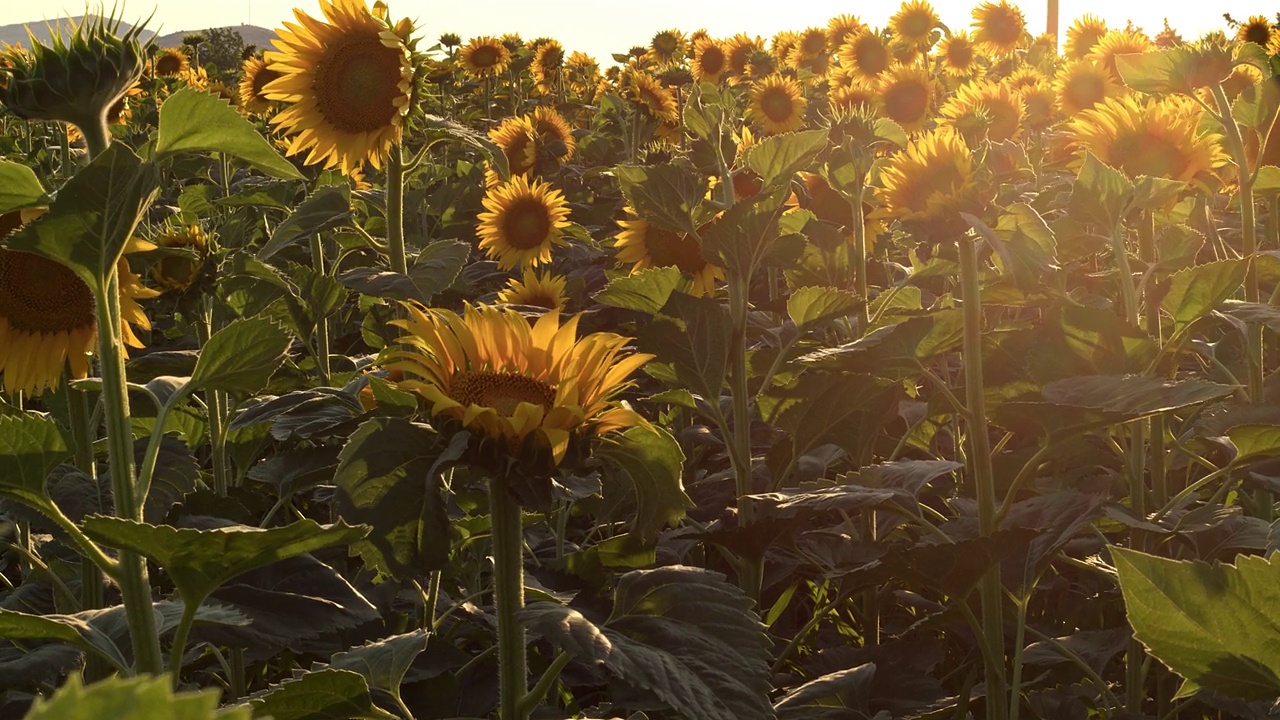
(855, 373)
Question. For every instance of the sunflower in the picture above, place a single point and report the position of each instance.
(927, 185)
(998, 28)
(957, 57)
(1159, 138)
(170, 62)
(777, 105)
(255, 76)
(523, 223)
(1025, 76)
(1119, 42)
(1040, 102)
(347, 82)
(177, 273)
(1258, 29)
(1083, 35)
(554, 134)
(518, 140)
(484, 57)
(1081, 84)
(647, 246)
(914, 22)
(858, 94)
(667, 46)
(545, 290)
(739, 49)
(1242, 78)
(47, 318)
(814, 64)
(710, 62)
(583, 73)
(905, 96)
(490, 372)
(999, 105)
(548, 62)
(1167, 37)
(865, 53)
(841, 27)
(812, 42)
(644, 90)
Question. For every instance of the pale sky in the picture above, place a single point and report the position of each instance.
(602, 27)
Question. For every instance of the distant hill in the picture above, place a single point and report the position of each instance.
(17, 33)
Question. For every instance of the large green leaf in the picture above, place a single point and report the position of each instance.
(814, 407)
(654, 461)
(669, 195)
(30, 448)
(1197, 291)
(1159, 72)
(61, 628)
(196, 121)
(898, 347)
(19, 187)
(383, 662)
(326, 208)
(693, 335)
(138, 698)
(241, 356)
(94, 215)
(681, 633)
(388, 477)
(320, 695)
(776, 159)
(1255, 441)
(1101, 194)
(1023, 242)
(1214, 625)
(646, 291)
(810, 306)
(201, 560)
(745, 234)
(438, 266)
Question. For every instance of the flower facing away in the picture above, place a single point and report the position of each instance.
(998, 28)
(777, 105)
(548, 62)
(554, 134)
(484, 57)
(927, 185)
(47, 318)
(177, 273)
(544, 290)
(523, 223)
(1159, 138)
(646, 91)
(256, 74)
(518, 140)
(348, 81)
(644, 245)
(521, 387)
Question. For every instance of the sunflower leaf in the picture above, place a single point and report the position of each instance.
(438, 266)
(384, 662)
(779, 157)
(30, 448)
(669, 196)
(1197, 291)
(319, 695)
(325, 209)
(195, 121)
(61, 628)
(241, 356)
(19, 187)
(1101, 194)
(654, 461)
(810, 306)
(139, 698)
(646, 291)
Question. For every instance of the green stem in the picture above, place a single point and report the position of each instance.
(508, 598)
(1151, 307)
(990, 591)
(860, 260)
(543, 686)
(395, 211)
(750, 569)
(1020, 639)
(1120, 253)
(215, 400)
(322, 324)
(82, 434)
(189, 610)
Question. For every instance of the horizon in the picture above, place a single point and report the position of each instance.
(573, 22)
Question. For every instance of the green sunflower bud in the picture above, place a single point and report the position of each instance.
(75, 80)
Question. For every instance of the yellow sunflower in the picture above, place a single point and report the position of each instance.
(905, 95)
(646, 91)
(1083, 35)
(255, 76)
(998, 28)
(777, 105)
(710, 62)
(484, 57)
(957, 56)
(518, 140)
(177, 273)
(490, 372)
(1119, 42)
(1242, 78)
(47, 317)
(1000, 108)
(1040, 102)
(927, 185)
(523, 223)
(544, 290)
(644, 246)
(347, 80)
(1160, 138)
(1081, 84)
(583, 72)
(865, 53)
(739, 49)
(170, 62)
(548, 62)
(554, 133)
(1258, 29)
(914, 22)
(667, 46)
(812, 42)
(858, 94)
(841, 27)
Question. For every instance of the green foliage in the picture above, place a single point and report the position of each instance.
(140, 698)
(196, 121)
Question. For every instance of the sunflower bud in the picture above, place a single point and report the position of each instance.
(77, 80)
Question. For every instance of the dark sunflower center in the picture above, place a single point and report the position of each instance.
(1086, 91)
(1145, 154)
(777, 104)
(872, 56)
(260, 80)
(712, 61)
(665, 44)
(526, 223)
(357, 83)
(906, 102)
(1003, 26)
(168, 65)
(813, 44)
(1258, 33)
(501, 391)
(667, 249)
(484, 56)
(42, 296)
(917, 24)
(960, 55)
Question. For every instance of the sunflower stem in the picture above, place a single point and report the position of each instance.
(92, 591)
(215, 401)
(322, 324)
(990, 591)
(395, 211)
(1151, 307)
(508, 599)
(860, 260)
(751, 569)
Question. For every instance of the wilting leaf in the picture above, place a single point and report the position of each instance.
(1214, 625)
(653, 460)
(646, 291)
(196, 121)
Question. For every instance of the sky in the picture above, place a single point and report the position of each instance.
(602, 27)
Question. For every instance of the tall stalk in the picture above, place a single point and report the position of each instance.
(862, 286)
(508, 599)
(990, 590)
(750, 570)
(322, 324)
(395, 211)
(217, 403)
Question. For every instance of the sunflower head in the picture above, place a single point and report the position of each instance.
(999, 28)
(523, 223)
(777, 105)
(866, 53)
(518, 140)
(739, 49)
(644, 245)
(906, 95)
(548, 62)
(914, 23)
(957, 56)
(811, 42)
(1159, 138)
(348, 82)
(710, 62)
(583, 72)
(176, 273)
(999, 108)
(1081, 84)
(77, 79)
(858, 94)
(170, 62)
(535, 289)
(649, 94)
(1040, 103)
(667, 46)
(555, 137)
(527, 394)
(1083, 35)
(484, 56)
(1258, 29)
(255, 76)
(840, 28)
(1119, 42)
(928, 184)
